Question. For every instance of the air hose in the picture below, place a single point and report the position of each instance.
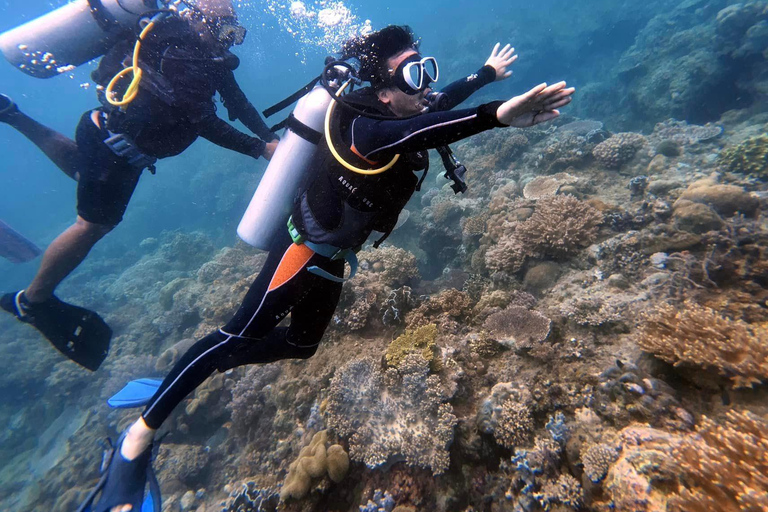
(133, 88)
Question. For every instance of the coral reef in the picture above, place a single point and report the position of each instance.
(699, 336)
(518, 327)
(749, 157)
(420, 341)
(249, 498)
(397, 414)
(618, 149)
(724, 465)
(597, 460)
(314, 461)
(546, 186)
(559, 227)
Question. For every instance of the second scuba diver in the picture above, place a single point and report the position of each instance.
(336, 212)
(185, 60)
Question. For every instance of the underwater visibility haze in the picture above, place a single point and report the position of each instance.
(584, 328)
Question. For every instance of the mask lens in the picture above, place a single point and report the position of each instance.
(413, 75)
(430, 69)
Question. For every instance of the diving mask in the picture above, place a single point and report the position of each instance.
(415, 74)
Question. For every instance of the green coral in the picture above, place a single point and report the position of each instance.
(749, 157)
(420, 341)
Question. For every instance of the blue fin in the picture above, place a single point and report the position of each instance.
(136, 393)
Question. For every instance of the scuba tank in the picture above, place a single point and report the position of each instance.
(290, 168)
(71, 35)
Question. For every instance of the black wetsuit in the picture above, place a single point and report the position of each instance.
(284, 284)
(173, 108)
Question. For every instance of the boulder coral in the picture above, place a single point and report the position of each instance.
(314, 461)
(617, 150)
(391, 415)
(518, 327)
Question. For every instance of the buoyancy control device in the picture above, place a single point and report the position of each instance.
(72, 35)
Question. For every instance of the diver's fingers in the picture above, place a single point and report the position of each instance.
(507, 52)
(507, 74)
(495, 51)
(547, 115)
(510, 60)
(559, 86)
(557, 104)
(557, 96)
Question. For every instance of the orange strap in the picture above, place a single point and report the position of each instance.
(294, 259)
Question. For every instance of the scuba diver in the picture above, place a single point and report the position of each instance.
(180, 60)
(362, 175)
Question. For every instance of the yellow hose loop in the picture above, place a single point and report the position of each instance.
(133, 88)
(367, 172)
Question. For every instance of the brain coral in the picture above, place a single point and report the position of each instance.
(397, 414)
(559, 227)
(618, 149)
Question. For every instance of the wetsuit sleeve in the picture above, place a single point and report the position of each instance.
(460, 90)
(239, 107)
(375, 139)
(223, 134)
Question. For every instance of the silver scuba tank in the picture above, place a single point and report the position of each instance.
(288, 171)
(71, 35)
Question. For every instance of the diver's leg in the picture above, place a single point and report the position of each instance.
(104, 190)
(63, 256)
(61, 150)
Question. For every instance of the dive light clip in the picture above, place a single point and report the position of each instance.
(454, 170)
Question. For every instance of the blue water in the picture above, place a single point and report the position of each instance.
(206, 189)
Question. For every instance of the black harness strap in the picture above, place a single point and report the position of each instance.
(293, 98)
(302, 130)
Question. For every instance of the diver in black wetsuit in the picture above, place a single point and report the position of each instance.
(185, 61)
(337, 212)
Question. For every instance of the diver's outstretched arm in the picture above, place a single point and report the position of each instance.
(536, 106)
(61, 150)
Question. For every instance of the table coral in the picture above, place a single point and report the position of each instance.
(397, 414)
(699, 336)
(546, 186)
(724, 466)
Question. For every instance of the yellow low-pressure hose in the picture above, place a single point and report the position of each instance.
(335, 153)
(133, 87)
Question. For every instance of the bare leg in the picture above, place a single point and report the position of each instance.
(60, 149)
(63, 256)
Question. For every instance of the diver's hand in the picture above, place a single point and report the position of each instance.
(269, 150)
(536, 106)
(500, 60)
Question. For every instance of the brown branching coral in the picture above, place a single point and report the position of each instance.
(724, 466)
(559, 227)
(699, 336)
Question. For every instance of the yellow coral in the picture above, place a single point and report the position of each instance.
(697, 335)
(421, 340)
(724, 466)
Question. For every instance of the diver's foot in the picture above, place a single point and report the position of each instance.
(124, 487)
(16, 303)
(7, 108)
